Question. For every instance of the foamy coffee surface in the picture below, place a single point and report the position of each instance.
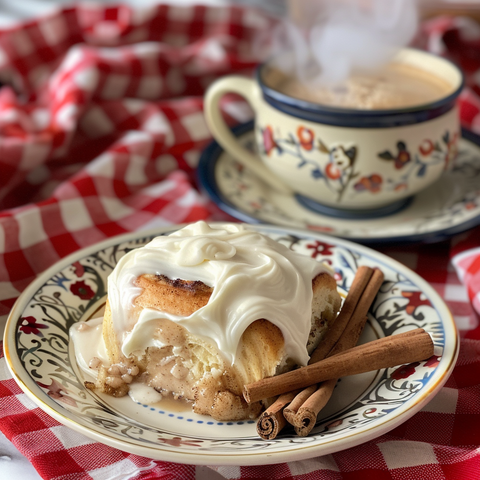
(394, 86)
(252, 277)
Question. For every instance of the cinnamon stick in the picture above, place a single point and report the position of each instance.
(364, 289)
(356, 291)
(290, 412)
(359, 315)
(383, 353)
(293, 412)
(353, 317)
(271, 422)
(305, 417)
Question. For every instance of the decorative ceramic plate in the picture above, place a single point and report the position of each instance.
(39, 354)
(450, 206)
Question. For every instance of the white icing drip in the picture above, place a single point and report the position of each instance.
(252, 276)
(141, 393)
(88, 343)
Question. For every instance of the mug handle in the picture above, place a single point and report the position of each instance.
(248, 89)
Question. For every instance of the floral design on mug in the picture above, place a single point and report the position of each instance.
(426, 147)
(305, 136)
(401, 158)
(337, 173)
(338, 169)
(372, 183)
(416, 164)
(268, 141)
(451, 143)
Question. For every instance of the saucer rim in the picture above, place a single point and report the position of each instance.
(206, 180)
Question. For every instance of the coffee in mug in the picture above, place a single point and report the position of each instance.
(367, 149)
(394, 86)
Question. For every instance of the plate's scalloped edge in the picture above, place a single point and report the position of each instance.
(226, 458)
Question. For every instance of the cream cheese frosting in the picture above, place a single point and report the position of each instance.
(252, 277)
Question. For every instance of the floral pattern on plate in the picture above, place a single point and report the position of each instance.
(41, 358)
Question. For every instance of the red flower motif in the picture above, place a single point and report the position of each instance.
(82, 290)
(401, 159)
(78, 269)
(373, 184)
(268, 140)
(29, 325)
(320, 228)
(320, 248)
(426, 147)
(178, 442)
(405, 371)
(55, 390)
(432, 362)
(414, 301)
(400, 187)
(305, 136)
(332, 171)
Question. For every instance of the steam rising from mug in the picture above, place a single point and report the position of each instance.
(332, 38)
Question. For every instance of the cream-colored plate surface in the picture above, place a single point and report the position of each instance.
(39, 354)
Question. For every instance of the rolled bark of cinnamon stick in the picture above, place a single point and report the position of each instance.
(349, 324)
(306, 414)
(359, 316)
(271, 421)
(290, 412)
(383, 353)
(353, 315)
(338, 329)
(303, 416)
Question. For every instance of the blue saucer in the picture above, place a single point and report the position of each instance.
(449, 207)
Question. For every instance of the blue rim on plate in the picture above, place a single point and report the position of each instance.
(433, 215)
(40, 357)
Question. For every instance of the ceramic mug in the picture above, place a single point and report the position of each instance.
(344, 159)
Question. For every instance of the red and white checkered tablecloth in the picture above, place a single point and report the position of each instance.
(101, 127)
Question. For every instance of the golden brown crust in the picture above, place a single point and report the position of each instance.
(177, 297)
(261, 348)
(325, 307)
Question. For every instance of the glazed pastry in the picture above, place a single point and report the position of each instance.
(199, 313)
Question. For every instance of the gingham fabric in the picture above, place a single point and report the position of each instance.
(101, 127)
